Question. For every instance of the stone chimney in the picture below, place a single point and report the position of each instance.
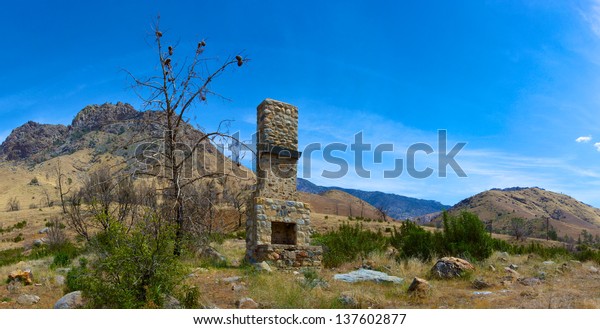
(278, 229)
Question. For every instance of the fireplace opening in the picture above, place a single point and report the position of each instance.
(283, 233)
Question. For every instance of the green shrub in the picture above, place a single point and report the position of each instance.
(412, 241)
(135, 267)
(349, 242)
(465, 235)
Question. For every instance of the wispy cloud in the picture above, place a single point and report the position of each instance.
(583, 139)
(592, 16)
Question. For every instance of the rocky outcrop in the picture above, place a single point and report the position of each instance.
(32, 138)
(96, 117)
(451, 267)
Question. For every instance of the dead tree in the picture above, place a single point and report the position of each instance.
(174, 93)
(61, 192)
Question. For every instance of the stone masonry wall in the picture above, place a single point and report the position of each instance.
(277, 126)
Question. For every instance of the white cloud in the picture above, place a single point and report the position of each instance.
(592, 16)
(597, 146)
(583, 139)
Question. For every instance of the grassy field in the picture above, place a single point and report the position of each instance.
(566, 284)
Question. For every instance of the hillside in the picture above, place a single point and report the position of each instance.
(339, 203)
(565, 214)
(397, 206)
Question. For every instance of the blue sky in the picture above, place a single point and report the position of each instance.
(518, 81)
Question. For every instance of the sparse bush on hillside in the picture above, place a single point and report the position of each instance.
(349, 242)
(34, 182)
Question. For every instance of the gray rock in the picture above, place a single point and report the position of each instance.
(529, 281)
(212, 254)
(232, 279)
(59, 280)
(246, 303)
(593, 269)
(263, 267)
(171, 303)
(513, 267)
(480, 284)
(43, 231)
(26, 299)
(549, 262)
(38, 242)
(367, 275)
(70, 301)
(347, 299)
(237, 287)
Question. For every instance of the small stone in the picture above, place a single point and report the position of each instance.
(513, 266)
(38, 242)
(232, 279)
(43, 231)
(549, 262)
(237, 287)
(263, 267)
(512, 272)
(348, 299)
(480, 284)
(246, 303)
(529, 281)
(492, 268)
(593, 269)
(419, 285)
(26, 299)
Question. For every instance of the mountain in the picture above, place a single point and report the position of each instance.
(497, 207)
(397, 206)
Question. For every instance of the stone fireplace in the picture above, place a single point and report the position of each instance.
(278, 229)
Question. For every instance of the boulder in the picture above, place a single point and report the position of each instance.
(38, 242)
(26, 277)
(593, 270)
(263, 267)
(246, 303)
(237, 287)
(513, 267)
(43, 231)
(212, 254)
(367, 275)
(419, 285)
(27, 299)
(512, 272)
(451, 267)
(71, 300)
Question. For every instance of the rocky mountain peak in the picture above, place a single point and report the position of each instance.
(93, 117)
